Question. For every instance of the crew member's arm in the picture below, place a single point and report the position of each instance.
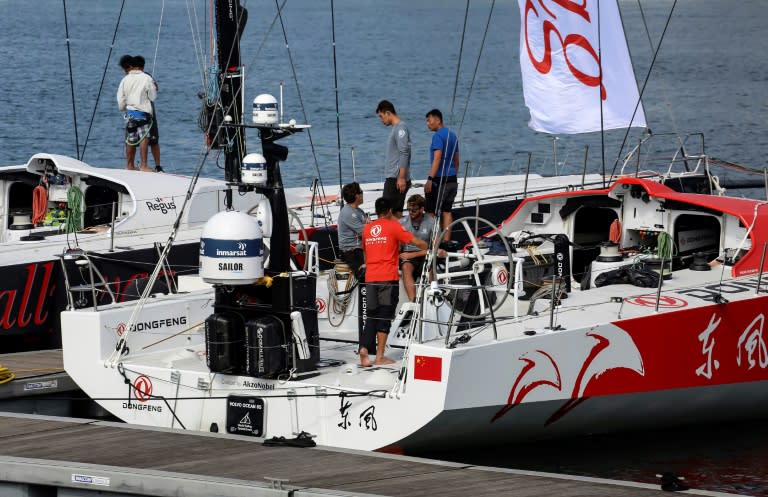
(456, 161)
(404, 159)
(433, 170)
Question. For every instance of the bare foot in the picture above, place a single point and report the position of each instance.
(384, 361)
(147, 169)
(130, 168)
(364, 361)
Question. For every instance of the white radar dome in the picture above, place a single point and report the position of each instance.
(265, 109)
(231, 249)
(254, 170)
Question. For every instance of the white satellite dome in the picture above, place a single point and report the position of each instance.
(254, 170)
(231, 249)
(265, 109)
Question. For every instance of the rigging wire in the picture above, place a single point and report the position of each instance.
(642, 88)
(600, 97)
(103, 77)
(157, 41)
(122, 344)
(301, 99)
(664, 88)
(336, 91)
(72, 81)
(477, 65)
(197, 44)
(458, 65)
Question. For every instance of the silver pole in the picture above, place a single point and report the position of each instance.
(760, 274)
(552, 304)
(765, 176)
(464, 186)
(112, 231)
(584, 170)
(527, 172)
(554, 152)
(661, 279)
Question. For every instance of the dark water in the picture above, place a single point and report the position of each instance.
(711, 76)
(726, 457)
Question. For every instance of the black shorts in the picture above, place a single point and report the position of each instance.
(418, 265)
(396, 199)
(443, 190)
(382, 302)
(154, 133)
(354, 258)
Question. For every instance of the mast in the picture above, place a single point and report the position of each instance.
(225, 129)
(231, 18)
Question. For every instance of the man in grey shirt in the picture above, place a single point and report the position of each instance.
(398, 158)
(350, 224)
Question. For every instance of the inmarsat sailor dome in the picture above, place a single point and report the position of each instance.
(254, 170)
(231, 249)
(265, 109)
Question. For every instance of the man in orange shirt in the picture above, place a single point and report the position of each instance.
(381, 244)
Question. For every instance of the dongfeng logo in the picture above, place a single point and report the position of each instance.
(142, 387)
(376, 230)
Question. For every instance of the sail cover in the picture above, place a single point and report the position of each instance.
(561, 57)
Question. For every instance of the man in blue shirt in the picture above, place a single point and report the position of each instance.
(441, 186)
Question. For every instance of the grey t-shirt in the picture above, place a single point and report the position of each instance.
(351, 221)
(423, 230)
(398, 151)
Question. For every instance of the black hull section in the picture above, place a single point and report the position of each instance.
(33, 295)
(462, 429)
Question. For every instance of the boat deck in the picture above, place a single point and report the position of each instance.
(112, 457)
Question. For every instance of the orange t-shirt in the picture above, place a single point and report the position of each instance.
(381, 243)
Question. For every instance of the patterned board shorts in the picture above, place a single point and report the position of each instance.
(135, 131)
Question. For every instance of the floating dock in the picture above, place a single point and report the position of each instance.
(66, 457)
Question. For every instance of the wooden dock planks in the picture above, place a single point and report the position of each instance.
(187, 458)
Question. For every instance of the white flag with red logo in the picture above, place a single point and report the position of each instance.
(560, 59)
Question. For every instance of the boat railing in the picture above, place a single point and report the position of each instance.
(666, 154)
(311, 252)
(93, 282)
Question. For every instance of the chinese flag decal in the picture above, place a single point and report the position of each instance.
(428, 368)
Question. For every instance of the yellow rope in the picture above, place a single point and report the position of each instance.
(6, 375)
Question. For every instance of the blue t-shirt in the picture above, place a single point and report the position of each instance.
(447, 142)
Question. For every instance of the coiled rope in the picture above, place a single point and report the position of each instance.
(74, 215)
(614, 232)
(39, 204)
(665, 247)
(6, 375)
